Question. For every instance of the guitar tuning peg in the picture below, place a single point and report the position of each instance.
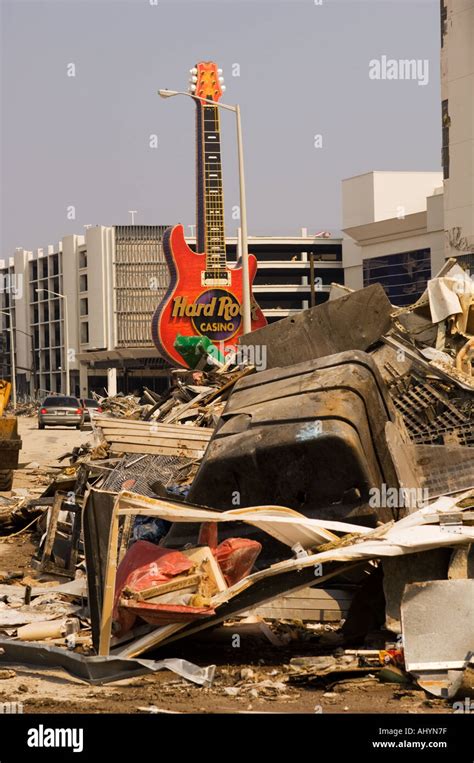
(223, 88)
(193, 70)
(193, 79)
(192, 88)
(219, 71)
(221, 79)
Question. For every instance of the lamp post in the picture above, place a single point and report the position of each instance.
(66, 332)
(12, 354)
(246, 312)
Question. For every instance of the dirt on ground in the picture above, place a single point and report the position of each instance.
(240, 685)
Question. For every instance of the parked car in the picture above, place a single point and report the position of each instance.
(91, 408)
(61, 411)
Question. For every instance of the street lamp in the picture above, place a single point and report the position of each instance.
(12, 354)
(66, 332)
(246, 313)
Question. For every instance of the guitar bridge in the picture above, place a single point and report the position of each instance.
(215, 278)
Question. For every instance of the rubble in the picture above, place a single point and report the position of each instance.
(196, 397)
(330, 328)
(27, 408)
(324, 503)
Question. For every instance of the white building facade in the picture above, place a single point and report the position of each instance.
(400, 227)
(110, 281)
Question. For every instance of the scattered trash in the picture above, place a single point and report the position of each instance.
(323, 505)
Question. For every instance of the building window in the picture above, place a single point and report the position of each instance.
(84, 306)
(84, 333)
(83, 282)
(403, 276)
(82, 259)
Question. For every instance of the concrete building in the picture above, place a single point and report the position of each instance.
(83, 307)
(400, 227)
(111, 280)
(282, 285)
(457, 105)
(393, 223)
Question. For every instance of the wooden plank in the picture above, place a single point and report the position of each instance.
(183, 432)
(156, 450)
(109, 590)
(304, 605)
(167, 442)
(173, 440)
(179, 582)
(138, 423)
(138, 439)
(314, 615)
(228, 385)
(309, 604)
(204, 556)
(180, 410)
(154, 438)
(51, 532)
(127, 528)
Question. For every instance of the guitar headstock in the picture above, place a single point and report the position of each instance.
(206, 81)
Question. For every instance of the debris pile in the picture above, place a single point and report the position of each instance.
(330, 495)
(27, 408)
(196, 397)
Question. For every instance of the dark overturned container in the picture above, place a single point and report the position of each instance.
(310, 437)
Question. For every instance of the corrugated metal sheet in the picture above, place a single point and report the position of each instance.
(141, 279)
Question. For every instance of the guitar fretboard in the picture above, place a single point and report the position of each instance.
(210, 222)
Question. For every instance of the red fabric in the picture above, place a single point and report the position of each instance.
(143, 566)
(208, 535)
(236, 557)
(146, 565)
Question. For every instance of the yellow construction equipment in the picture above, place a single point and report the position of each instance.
(10, 443)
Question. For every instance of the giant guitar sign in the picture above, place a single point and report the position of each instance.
(204, 297)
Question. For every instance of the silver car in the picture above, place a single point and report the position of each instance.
(91, 408)
(61, 411)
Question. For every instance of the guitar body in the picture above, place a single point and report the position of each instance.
(204, 298)
(192, 307)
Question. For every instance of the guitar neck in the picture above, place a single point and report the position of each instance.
(210, 197)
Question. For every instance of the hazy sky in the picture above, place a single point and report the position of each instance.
(84, 141)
